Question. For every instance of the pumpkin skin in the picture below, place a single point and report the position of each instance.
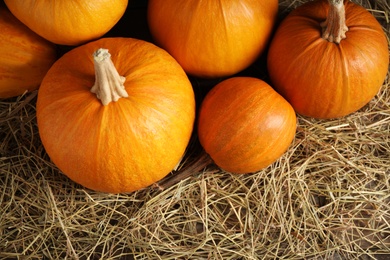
(68, 22)
(322, 79)
(211, 38)
(25, 57)
(126, 145)
(244, 125)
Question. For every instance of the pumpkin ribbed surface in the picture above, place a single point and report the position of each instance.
(212, 38)
(25, 57)
(125, 145)
(244, 125)
(323, 79)
(68, 22)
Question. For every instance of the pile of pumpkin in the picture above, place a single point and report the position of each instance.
(117, 114)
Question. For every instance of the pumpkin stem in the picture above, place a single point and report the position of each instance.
(108, 83)
(334, 27)
(200, 162)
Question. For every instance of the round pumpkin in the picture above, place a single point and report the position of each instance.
(244, 125)
(25, 57)
(328, 59)
(117, 121)
(68, 22)
(211, 38)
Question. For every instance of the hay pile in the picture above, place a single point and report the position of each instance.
(328, 197)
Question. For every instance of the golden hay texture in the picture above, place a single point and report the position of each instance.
(328, 197)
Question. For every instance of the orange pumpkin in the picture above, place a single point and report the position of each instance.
(244, 125)
(119, 123)
(68, 22)
(328, 59)
(25, 57)
(212, 38)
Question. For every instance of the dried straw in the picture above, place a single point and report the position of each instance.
(327, 197)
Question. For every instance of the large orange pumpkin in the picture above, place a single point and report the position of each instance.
(68, 22)
(25, 57)
(133, 131)
(244, 125)
(212, 38)
(328, 59)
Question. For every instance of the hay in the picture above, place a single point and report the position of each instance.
(327, 197)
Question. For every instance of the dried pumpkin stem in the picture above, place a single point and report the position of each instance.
(334, 27)
(108, 83)
(202, 161)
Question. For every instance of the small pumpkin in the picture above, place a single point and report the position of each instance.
(244, 125)
(211, 38)
(25, 57)
(328, 59)
(68, 22)
(117, 121)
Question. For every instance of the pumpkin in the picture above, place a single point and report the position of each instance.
(68, 22)
(25, 57)
(328, 59)
(244, 125)
(118, 120)
(209, 38)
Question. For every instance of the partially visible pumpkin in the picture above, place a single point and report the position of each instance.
(68, 22)
(212, 38)
(116, 123)
(244, 125)
(25, 57)
(328, 59)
